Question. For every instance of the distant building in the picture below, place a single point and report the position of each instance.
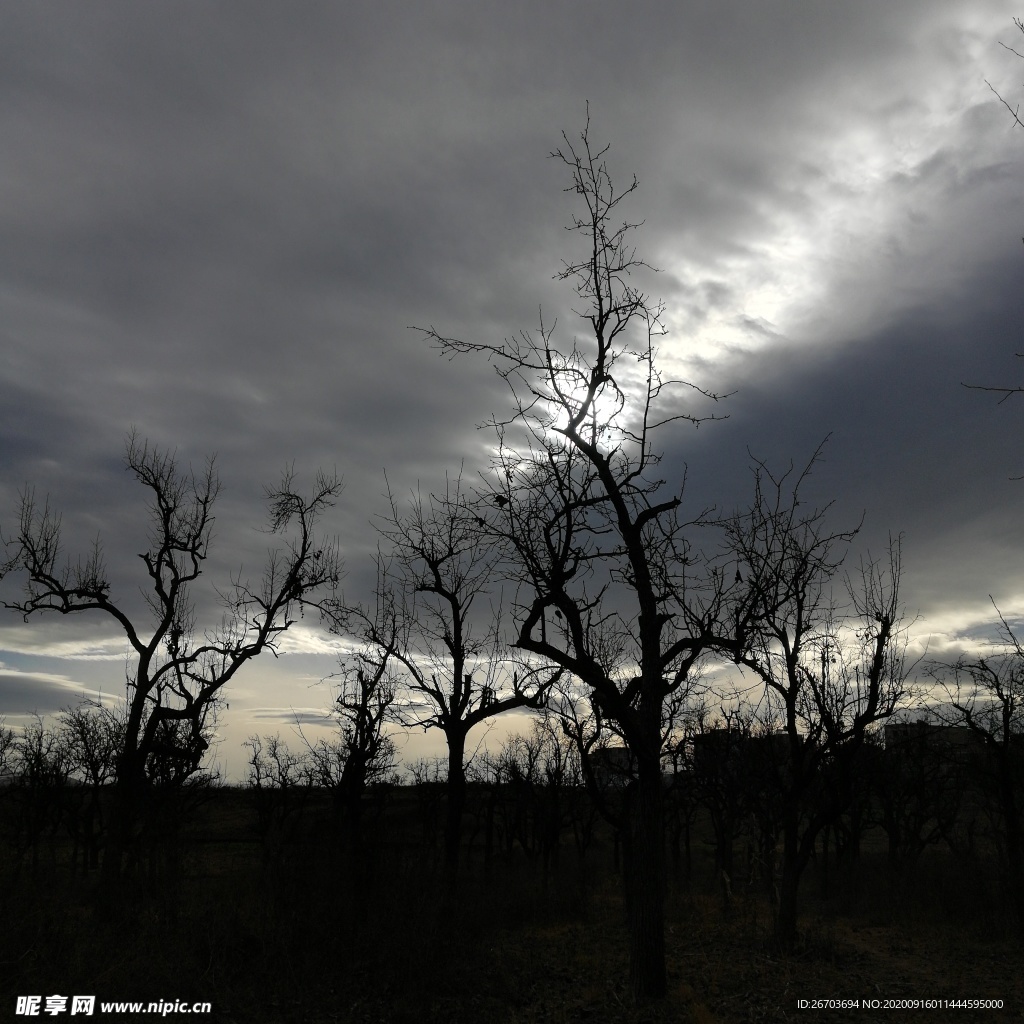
(952, 749)
(732, 751)
(923, 733)
(717, 751)
(615, 768)
(612, 767)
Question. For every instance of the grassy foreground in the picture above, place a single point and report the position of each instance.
(306, 932)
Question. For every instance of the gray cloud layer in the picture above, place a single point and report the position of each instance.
(219, 223)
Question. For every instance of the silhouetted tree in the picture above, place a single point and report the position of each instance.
(917, 783)
(280, 781)
(177, 671)
(41, 767)
(831, 672)
(7, 748)
(437, 568)
(93, 735)
(721, 776)
(362, 753)
(682, 790)
(595, 544)
(534, 776)
(986, 695)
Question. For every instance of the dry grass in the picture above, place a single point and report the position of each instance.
(308, 938)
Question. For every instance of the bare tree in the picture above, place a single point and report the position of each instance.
(534, 777)
(280, 782)
(177, 671)
(721, 744)
(41, 768)
(1014, 111)
(94, 735)
(684, 722)
(918, 789)
(831, 672)
(597, 546)
(7, 750)
(437, 570)
(986, 695)
(363, 753)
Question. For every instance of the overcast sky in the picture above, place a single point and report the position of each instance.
(219, 221)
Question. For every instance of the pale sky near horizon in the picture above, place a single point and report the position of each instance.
(219, 223)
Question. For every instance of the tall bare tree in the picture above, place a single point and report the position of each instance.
(362, 753)
(437, 570)
(598, 549)
(94, 735)
(830, 672)
(986, 695)
(177, 670)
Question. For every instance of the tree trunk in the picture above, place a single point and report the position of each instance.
(120, 835)
(130, 779)
(456, 803)
(644, 877)
(353, 785)
(1014, 851)
(825, 837)
(789, 885)
(686, 849)
(93, 829)
(675, 844)
(856, 828)
(492, 800)
(123, 818)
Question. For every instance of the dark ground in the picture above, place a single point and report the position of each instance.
(304, 931)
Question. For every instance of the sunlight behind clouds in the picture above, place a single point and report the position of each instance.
(971, 629)
(307, 638)
(851, 210)
(27, 641)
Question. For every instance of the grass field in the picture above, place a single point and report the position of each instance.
(305, 930)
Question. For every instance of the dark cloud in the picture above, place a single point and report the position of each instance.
(291, 716)
(219, 225)
(28, 693)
